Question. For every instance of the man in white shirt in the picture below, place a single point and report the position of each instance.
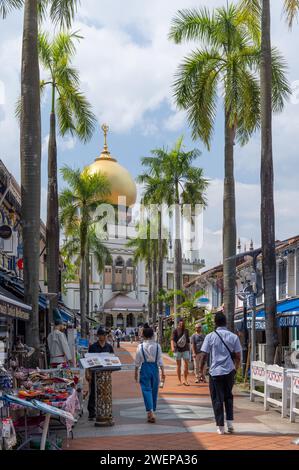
(224, 349)
(60, 354)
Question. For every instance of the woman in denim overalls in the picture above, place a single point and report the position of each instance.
(149, 357)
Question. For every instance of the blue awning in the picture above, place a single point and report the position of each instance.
(287, 316)
(64, 315)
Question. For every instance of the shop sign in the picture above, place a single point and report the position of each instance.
(259, 324)
(13, 311)
(290, 321)
(5, 232)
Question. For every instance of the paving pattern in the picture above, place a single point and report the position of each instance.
(184, 419)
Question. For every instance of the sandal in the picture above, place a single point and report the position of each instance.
(151, 418)
(186, 384)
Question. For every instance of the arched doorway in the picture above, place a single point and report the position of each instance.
(120, 321)
(140, 319)
(130, 320)
(109, 321)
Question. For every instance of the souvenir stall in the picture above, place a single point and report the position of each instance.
(25, 397)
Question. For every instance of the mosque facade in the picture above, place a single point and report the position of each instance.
(118, 297)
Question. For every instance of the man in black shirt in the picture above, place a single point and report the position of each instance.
(101, 346)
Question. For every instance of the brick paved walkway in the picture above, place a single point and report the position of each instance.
(184, 419)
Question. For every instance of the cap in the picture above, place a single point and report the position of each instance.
(101, 332)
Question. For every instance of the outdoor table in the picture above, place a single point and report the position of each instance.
(103, 395)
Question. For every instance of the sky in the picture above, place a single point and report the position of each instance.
(127, 66)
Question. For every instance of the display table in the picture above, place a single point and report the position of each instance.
(103, 395)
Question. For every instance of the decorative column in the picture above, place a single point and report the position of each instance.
(103, 394)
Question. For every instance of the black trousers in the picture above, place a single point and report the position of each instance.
(91, 406)
(221, 390)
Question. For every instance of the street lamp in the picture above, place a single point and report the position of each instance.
(251, 295)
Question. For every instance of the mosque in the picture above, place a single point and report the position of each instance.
(118, 297)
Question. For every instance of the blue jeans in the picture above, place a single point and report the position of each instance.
(149, 381)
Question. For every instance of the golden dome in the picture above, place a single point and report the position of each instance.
(121, 182)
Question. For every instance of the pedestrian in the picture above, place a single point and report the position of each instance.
(59, 350)
(224, 348)
(180, 346)
(197, 340)
(148, 360)
(118, 334)
(110, 338)
(101, 346)
(136, 335)
(132, 335)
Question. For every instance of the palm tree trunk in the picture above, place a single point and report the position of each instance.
(150, 287)
(177, 256)
(87, 283)
(52, 214)
(160, 274)
(83, 281)
(229, 226)
(155, 281)
(267, 198)
(30, 151)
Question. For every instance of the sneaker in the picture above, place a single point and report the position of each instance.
(197, 381)
(230, 427)
(220, 430)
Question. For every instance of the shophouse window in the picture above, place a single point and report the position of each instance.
(282, 276)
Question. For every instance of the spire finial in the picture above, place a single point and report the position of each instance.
(105, 129)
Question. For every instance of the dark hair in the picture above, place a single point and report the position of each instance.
(183, 321)
(220, 319)
(148, 332)
(101, 332)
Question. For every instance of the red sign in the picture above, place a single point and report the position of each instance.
(20, 263)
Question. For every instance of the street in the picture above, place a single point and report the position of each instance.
(184, 419)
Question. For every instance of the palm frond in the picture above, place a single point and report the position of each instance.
(6, 6)
(62, 12)
(193, 24)
(291, 10)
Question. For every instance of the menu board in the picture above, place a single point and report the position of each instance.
(100, 360)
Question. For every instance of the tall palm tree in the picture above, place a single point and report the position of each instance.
(62, 12)
(74, 117)
(78, 203)
(230, 55)
(182, 184)
(153, 195)
(261, 9)
(143, 252)
(95, 247)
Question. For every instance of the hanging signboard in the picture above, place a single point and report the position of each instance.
(288, 321)
(13, 311)
(5, 232)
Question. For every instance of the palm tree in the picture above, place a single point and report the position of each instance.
(182, 184)
(95, 247)
(230, 55)
(153, 195)
(62, 12)
(74, 118)
(78, 203)
(143, 252)
(261, 9)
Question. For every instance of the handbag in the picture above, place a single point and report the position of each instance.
(232, 353)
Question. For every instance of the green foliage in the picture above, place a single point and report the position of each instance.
(229, 55)
(73, 110)
(6, 6)
(208, 323)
